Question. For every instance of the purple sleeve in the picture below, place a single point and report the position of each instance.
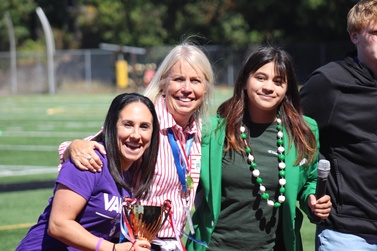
(81, 182)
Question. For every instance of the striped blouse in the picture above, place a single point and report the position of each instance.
(166, 184)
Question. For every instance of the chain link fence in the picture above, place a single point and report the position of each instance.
(94, 70)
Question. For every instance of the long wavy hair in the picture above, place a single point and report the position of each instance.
(141, 171)
(235, 109)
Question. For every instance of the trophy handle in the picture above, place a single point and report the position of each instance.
(126, 209)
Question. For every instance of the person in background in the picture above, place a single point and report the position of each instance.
(258, 159)
(83, 212)
(180, 90)
(150, 70)
(342, 97)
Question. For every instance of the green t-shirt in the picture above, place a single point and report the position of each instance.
(246, 222)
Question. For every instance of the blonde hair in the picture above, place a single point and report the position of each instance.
(363, 13)
(193, 55)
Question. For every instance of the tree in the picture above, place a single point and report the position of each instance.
(148, 23)
(22, 19)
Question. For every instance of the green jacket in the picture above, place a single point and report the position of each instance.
(301, 182)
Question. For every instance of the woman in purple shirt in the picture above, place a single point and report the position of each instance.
(83, 213)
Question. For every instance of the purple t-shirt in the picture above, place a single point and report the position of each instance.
(100, 216)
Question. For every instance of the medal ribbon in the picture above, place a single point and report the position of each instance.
(125, 228)
(180, 156)
(177, 231)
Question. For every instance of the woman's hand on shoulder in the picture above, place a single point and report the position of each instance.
(83, 155)
(321, 207)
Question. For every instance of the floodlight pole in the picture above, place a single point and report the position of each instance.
(13, 57)
(50, 49)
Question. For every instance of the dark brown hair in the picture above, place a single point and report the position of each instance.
(141, 171)
(235, 109)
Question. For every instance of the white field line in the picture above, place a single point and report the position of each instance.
(46, 134)
(28, 148)
(17, 170)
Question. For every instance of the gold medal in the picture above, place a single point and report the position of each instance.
(189, 182)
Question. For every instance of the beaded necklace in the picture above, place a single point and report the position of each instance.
(281, 158)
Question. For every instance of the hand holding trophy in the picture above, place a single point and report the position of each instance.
(143, 222)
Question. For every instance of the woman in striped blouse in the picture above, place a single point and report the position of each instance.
(180, 90)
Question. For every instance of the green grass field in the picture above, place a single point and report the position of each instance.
(31, 129)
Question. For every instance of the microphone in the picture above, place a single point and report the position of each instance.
(323, 172)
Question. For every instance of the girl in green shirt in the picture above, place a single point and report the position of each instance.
(259, 157)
